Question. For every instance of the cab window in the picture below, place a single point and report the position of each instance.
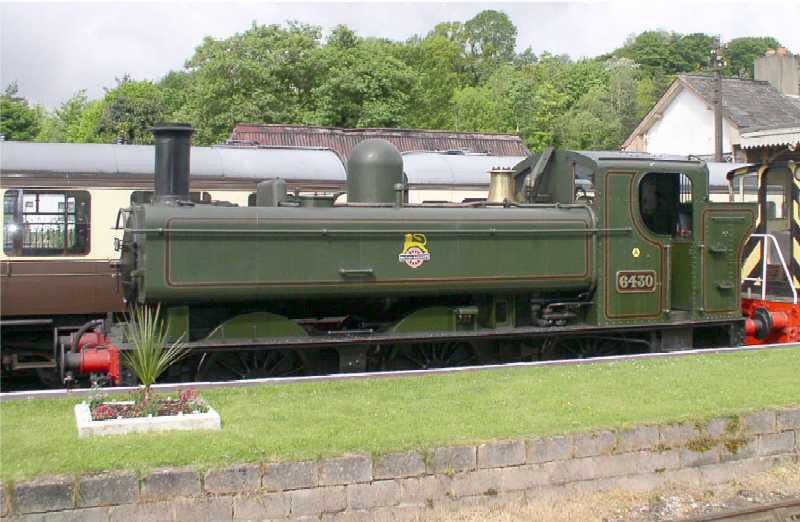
(46, 222)
(665, 204)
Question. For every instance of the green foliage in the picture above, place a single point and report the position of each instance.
(695, 51)
(151, 355)
(50, 129)
(593, 124)
(18, 120)
(361, 85)
(176, 87)
(647, 93)
(57, 126)
(655, 51)
(477, 110)
(526, 57)
(438, 64)
(581, 77)
(460, 76)
(489, 38)
(740, 53)
(86, 129)
(264, 75)
(129, 110)
(663, 52)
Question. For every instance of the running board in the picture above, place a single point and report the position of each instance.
(361, 339)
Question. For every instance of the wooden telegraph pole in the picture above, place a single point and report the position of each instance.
(717, 63)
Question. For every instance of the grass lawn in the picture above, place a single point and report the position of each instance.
(323, 419)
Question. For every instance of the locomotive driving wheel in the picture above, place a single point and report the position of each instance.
(422, 356)
(591, 346)
(255, 364)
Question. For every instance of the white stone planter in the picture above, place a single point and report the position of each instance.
(190, 421)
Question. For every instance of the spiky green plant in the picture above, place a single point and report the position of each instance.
(151, 355)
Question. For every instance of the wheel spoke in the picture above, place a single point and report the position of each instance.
(430, 355)
(249, 365)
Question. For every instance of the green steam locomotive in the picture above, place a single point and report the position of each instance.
(572, 254)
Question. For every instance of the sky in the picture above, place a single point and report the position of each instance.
(52, 50)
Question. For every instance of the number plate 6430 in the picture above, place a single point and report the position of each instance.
(636, 281)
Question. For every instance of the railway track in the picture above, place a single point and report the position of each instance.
(169, 387)
(784, 511)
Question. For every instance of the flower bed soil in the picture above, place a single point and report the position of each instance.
(156, 406)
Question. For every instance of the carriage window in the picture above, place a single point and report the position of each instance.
(745, 188)
(46, 223)
(772, 210)
(665, 203)
(141, 197)
(777, 201)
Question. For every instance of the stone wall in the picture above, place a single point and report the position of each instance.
(405, 485)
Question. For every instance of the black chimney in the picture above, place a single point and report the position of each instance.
(173, 144)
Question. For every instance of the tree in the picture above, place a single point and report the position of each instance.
(265, 74)
(526, 57)
(695, 51)
(361, 85)
(86, 129)
(453, 31)
(740, 53)
(647, 95)
(50, 130)
(130, 110)
(56, 126)
(176, 88)
(549, 103)
(655, 51)
(621, 87)
(342, 37)
(592, 124)
(581, 77)
(491, 35)
(477, 110)
(489, 38)
(437, 64)
(18, 120)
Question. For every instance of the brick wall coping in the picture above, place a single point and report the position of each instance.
(403, 485)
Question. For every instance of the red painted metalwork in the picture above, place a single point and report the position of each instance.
(785, 321)
(98, 355)
(101, 360)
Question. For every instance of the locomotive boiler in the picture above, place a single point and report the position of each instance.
(572, 254)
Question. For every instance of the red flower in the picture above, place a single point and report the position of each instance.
(102, 412)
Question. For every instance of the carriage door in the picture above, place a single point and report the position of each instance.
(634, 255)
(778, 210)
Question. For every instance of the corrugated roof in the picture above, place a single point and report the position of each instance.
(771, 137)
(750, 104)
(406, 140)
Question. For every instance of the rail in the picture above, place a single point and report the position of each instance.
(782, 511)
(763, 279)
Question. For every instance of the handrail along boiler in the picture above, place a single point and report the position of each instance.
(574, 254)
